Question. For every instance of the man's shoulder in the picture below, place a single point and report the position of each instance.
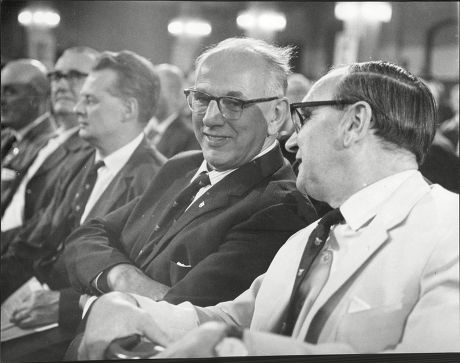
(145, 154)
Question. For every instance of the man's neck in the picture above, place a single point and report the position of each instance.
(366, 174)
(66, 121)
(110, 146)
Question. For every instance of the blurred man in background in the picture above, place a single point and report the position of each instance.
(298, 87)
(26, 122)
(24, 106)
(117, 99)
(64, 148)
(169, 131)
(441, 164)
(384, 279)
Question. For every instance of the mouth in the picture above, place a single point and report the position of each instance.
(215, 140)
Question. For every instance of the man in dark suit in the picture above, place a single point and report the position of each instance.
(170, 131)
(231, 229)
(25, 121)
(24, 97)
(35, 189)
(116, 101)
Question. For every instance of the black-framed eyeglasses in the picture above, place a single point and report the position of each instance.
(301, 111)
(230, 107)
(71, 76)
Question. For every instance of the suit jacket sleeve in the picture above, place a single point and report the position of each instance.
(94, 247)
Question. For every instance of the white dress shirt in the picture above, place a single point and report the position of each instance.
(105, 174)
(14, 213)
(216, 176)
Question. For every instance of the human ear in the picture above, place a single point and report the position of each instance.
(131, 109)
(280, 115)
(356, 123)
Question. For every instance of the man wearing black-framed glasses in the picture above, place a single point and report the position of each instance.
(379, 274)
(211, 221)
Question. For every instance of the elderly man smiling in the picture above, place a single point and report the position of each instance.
(210, 221)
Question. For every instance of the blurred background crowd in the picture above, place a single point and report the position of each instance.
(420, 36)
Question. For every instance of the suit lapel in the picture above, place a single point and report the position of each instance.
(118, 186)
(71, 145)
(392, 213)
(234, 185)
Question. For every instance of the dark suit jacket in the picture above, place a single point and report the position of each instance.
(37, 248)
(21, 156)
(8, 139)
(178, 137)
(41, 186)
(215, 249)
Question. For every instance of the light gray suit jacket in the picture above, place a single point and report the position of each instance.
(399, 294)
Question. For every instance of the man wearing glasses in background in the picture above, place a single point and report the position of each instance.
(37, 184)
(383, 279)
(210, 221)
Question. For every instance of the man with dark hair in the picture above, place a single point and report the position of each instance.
(210, 222)
(36, 187)
(117, 99)
(169, 131)
(379, 273)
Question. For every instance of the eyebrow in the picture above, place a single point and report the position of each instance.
(236, 94)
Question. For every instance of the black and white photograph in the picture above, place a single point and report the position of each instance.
(229, 181)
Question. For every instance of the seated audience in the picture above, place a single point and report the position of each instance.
(25, 119)
(169, 131)
(117, 99)
(211, 221)
(384, 279)
(36, 187)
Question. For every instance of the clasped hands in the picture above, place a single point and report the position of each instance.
(117, 315)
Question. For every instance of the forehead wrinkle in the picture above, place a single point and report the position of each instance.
(218, 72)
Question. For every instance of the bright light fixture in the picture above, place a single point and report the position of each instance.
(370, 11)
(46, 18)
(262, 20)
(189, 27)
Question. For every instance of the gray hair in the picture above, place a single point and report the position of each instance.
(276, 58)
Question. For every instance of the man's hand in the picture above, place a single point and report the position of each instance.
(128, 278)
(116, 315)
(37, 309)
(198, 343)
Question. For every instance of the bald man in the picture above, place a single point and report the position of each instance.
(24, 99)
(169, 131)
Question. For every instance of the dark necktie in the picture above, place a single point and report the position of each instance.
(314, 245)
(178, 206)
(82, 196)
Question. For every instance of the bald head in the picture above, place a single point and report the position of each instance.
(25, 90)
(172, 97)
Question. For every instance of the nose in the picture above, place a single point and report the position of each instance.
(291, 143)
(213, 116)
(79, 109)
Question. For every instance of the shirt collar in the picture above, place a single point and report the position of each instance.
(216, 176)
(364, 204)
(116, 160)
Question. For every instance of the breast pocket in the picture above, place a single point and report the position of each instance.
(177, 271)
(374, 329)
